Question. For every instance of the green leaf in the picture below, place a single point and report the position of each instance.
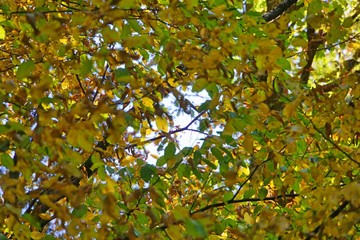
(217, 153)
(80, 211)
(348, 22)
(4, 144)
(7, 161)
(200, 84)
(195, 229)
(249, 193)
(220, 227)
(102, 173)
(170, 151)
(34, 221)
(228, 196)
(161, 161)
(210, 164)
(147, 171)
(122, 75)
(48, 237)
(3, 237)
(25, 69)
(283, 63)
(262, 193)
(86, 66)
(184, 170)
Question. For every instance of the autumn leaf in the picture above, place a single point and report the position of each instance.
(179, 119)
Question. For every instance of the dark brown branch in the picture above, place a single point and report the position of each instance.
(102, 82)
(166, 134)
(278, 10)
(221, 204)
(332, 215)
(247, 179)
(82, 89)
(314, 41)
(327, 47)
(331, 141)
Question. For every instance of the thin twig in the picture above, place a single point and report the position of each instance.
(332, 215)
(326, 47)
(102, 81)
(165, 134)
(82, 89)
(331, 141)
(221, 204)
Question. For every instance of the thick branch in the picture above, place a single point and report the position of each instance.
(314, 41)
(278, 10)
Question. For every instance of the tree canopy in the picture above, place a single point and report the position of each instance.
(271, 89)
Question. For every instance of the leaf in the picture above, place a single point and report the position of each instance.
(86, 66)
(248, 143)
(184, 170)
(217, 153)
(25, 69)
(7, 161)
(148, 103)
(80, 211)
(228, 196)
(249, 193)
(161, 161)
(34, 221)
(180, 213)
(3, 237)
(37, 235)
(2, 33)
(248, 218)
(290, 108)
(262, 193)
(174, 232)
(283, 63)
(170, 151)
(147, 171)
(230, 178)
(122, 75)
(195, 229)
(162, 124)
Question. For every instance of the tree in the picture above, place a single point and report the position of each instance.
(84, 88)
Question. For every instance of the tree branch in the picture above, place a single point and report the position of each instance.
(328, 47)
(331, 141)
(162, 135)
(278, 10)
(314, 41)
(221, 204)
(332, 215)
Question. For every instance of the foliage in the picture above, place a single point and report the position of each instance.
(86, 87)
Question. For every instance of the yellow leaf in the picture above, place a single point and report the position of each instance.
(290, 108)
(37, 235)
(2, 33)
(248, 219)
(175, 232)
(248, 143)
(45, 216)
(162, 124)
(148, 103)
(230, 178)
(172, 82)
(264, 109)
